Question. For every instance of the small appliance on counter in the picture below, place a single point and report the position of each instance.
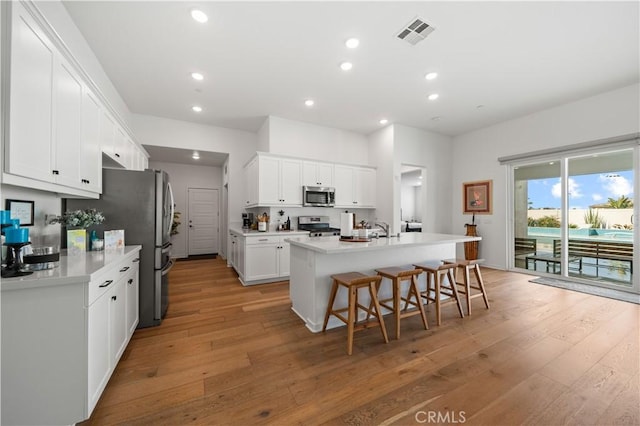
(247, 220)
(318, 226)
(42, 258)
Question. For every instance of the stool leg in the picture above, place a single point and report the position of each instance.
(467, 288)
(373, 291)
(332, 298)
(396, 305)
(351, 318)
(416, 292)
(437, 285)
(455, 291)
(476, 270)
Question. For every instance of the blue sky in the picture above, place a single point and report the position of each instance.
(584, 190)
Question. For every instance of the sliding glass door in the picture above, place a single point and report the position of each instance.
(573, 217)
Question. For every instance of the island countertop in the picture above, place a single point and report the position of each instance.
(333, 245)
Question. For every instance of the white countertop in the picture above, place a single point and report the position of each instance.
(72, 269)
(254, 233)
(333, 245)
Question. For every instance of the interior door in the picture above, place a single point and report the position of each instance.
(204, 208)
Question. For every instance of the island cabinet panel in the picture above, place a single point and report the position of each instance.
(63, 333)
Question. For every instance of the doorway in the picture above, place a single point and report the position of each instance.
(203, 221)
(411, 198)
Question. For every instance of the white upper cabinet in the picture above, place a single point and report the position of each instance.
(355, 186)
(278, 181)
(90, 155)
(317, 174)
(67, 114)
(29, 152)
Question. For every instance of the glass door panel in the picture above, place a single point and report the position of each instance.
(537, 215)
(600, 212)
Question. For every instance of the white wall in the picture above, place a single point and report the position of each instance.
(288, 137)
(240, 146)
(381, 154)
(183, 177)
(434, 152)
(606, 115)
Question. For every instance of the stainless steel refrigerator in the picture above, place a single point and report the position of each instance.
(141, 203)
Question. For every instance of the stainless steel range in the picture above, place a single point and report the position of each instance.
(318, 226)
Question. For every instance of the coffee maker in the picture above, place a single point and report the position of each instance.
(247, 220)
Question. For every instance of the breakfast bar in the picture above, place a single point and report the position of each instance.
(315, 259)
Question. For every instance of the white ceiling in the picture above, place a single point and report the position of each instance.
(185, 156)
(266, 58)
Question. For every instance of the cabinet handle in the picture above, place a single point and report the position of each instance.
(263, 239)
(126, 268)
(117, 155)
(130, 281)
(56, 172)
(106, 283)
(137, 259)
(113, 298)
(88, 181)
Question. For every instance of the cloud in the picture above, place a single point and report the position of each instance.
(597, 197)
(616, 185)
(574, 189)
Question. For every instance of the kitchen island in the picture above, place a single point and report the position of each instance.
(315, 259)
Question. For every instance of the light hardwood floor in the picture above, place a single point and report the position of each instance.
(228, 354)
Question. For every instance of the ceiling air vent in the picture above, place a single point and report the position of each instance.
(416, 31)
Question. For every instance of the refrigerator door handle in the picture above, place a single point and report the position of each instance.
(167, 268)
(166, 247)
(173, 209)
(159, 273)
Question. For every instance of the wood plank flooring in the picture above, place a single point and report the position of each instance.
(233, 355)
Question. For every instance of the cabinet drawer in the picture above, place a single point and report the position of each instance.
(107, 278)
(263, 240)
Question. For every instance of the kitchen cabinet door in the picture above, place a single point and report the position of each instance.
(344, 186)
(317, 174)
(269, 192)
(99, 355)
(290, 182)
(251, 181)
(67, 113)
(29, 152)
(117, 320)
(240, 257)
(365, 187)
(90, 155)
(284, 255)
(261, 261)
(132, 284)
(107, 134)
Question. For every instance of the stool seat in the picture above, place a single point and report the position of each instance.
(353, 281)
(397, 274)
(467, 265)
(436, 286)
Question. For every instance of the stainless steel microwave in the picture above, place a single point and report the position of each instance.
(318, 196)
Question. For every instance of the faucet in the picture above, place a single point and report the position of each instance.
(385, 227)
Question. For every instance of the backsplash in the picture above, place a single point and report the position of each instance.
(45, 203)
(368, 215)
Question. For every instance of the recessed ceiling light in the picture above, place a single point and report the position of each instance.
(196, 155)
(199, 16)
(196, 108)
(384, 121)
(346, 66)
(433, 96)
(419, 177)
(309, 102)
(197, 76)
(431, 75)
(352, 43)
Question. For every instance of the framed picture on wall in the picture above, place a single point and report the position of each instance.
(21, 209)
(477, 197)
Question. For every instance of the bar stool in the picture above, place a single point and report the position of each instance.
(467, 265)
(435, 284)
(353, 281)
(398, 274)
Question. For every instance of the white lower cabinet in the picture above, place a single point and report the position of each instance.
(259, 259)
(62, 337)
